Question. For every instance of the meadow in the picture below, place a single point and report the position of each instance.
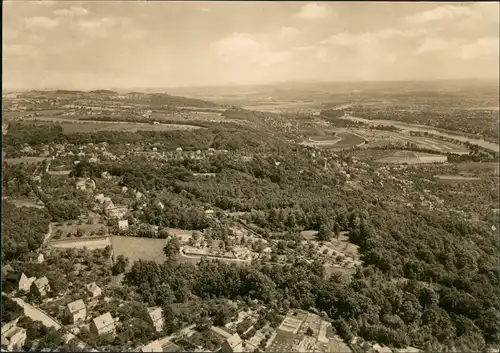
(137, 248)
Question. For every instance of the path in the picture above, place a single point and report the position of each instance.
(37, 314)
(49, 234)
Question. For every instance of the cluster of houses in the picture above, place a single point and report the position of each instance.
(109, 209)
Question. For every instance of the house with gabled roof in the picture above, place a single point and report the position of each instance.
(156, 317)
(25, 282)
(93, 290)
(103, 324)
(75, 311)
(40, 286)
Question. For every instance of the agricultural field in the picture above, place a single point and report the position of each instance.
(410, 157)
(25, 160)
(136, 248)
(42, 113)
(455, 178)
(340, 141)
(26, 202)
(186, 115)
(90, 244)
(379, 138)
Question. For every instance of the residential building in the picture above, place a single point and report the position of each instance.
(103, 324)
(123, 224)
(116, 211)
(34, 257)
(156, 317)
(99, 198)
(93, 290)
(75, 311)
(14, 338)
(40, 286)
(232, 344)
(25, 282)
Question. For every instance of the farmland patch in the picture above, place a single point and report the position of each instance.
(90, 244)
(25, 160)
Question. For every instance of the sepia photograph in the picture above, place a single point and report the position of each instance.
(250, 176)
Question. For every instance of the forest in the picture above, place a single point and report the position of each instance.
(430, 278)
(23, 230)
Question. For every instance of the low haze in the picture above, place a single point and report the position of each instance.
(160, 44)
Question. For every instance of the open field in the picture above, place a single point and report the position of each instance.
(340, 141)
(382, 138)
(477, 166)
(59, 172)
(451, 178)
(283, 107)
(26, 202)
(410, 157)
(26, 160)
(423, 129)
(87, 127)
(90, 244)
(13, 115)
(136, 248)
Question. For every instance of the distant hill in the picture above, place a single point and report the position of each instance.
(103, 91)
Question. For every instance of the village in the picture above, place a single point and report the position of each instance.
(132, 228)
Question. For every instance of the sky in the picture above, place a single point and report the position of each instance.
(115, 44)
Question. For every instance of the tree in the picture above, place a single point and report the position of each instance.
(324, 233)
(172, 248)
(120, 265)
(79, 232)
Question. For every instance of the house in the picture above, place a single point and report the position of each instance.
(99, 198)
(232, 344)
(25, 282)
(106, 206)
(105, 175)
(34, 257)
(40, 286)
(75, 311)
(14, 338)
(154, 346)
(103, 324)
(93, 289)
(7, 270)
(156, 317)
(116, 211)
(84, 184)
(123, 224)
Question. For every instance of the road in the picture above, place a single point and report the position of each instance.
(49, 233)
(36, 314)
(187, 331)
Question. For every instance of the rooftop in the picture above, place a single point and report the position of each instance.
(155, 314)
(103, 321)
(76, 306)
(41, 282)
